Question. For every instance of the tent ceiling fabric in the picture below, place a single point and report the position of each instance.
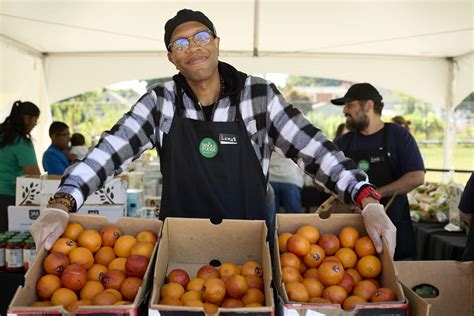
(397, 44)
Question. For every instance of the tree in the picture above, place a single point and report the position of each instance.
(294, 81)
(88, 113)
(299, 99)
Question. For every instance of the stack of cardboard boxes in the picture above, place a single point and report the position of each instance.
(33, 192)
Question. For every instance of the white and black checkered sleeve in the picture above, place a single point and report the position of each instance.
(134, 133)
(295, 137)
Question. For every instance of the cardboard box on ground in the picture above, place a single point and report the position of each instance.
(26, 295)
(189, 244)
(333, 224)
(454, 281)
(35, 190)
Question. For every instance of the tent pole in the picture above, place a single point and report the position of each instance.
(449, 133)
(256, 27)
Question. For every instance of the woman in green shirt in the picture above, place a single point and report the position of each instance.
(17, 154)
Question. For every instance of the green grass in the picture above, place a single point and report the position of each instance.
(463, 159)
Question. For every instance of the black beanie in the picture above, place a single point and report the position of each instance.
(183, 16)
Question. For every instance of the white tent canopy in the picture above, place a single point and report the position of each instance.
(51, 50)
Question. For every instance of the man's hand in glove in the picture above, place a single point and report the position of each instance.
(47, 228)
(378, 225)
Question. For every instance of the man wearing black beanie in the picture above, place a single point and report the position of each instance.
(215, 128)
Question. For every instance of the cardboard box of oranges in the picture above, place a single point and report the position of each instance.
(329, 266)
(94, 267)
(194, 253)
(438, 287)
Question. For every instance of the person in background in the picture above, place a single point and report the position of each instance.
(55, 158)
(286, 180)
(17, 154)
(341, 130)
(215, 129)
(387, 153)
(78, 147)
(400, 120)
(466, 207)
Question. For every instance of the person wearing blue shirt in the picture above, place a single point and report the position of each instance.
(55, 159)
(387, 153)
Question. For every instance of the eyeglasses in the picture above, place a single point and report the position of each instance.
(181, 45)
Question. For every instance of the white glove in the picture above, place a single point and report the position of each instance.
(47, 228)
(377, 224)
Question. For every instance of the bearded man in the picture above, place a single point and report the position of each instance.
(387, 153)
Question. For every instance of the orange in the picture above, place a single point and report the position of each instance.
(46, 286)
(289, 274)
(109, 235)
(74, 306)
(96, 272)
(72, 231)
(115, 292)
(174, 290)
(63, 245)
(298, 245)
(170, 301)
(191, 296)
(314, 257)
(104, 298)
(143, 248)
(331, 272)
(253, 296)
(296, 292)
(309, 232)
(214, 290)
(364, 289)
(347, 256)
(228, 268)
(335, 294)
(282, 239)
(63, 296)
(348, 237)
(369, 267)
(288, 259)
(330, 243)
(319, 300)
(303, 266)
(117, 264)
(82, 256)
(314, 286)
(90, 239)
(364, 247)
(104, 255)
(91, 289)
(195, 284)
(147, 236)
(354, 274)
(311, 273)
(350, 302)
(124, 245)
(193, 303)
(252, 268)
(383, 295)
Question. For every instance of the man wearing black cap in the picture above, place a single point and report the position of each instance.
(215, 129)
(387, 153)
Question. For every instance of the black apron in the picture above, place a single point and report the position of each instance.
(376, 164)
(210, 170)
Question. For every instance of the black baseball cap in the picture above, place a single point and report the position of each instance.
(183, 16)
(359, 91)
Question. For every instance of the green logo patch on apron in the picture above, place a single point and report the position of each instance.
(208, 148)
(363, 165)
